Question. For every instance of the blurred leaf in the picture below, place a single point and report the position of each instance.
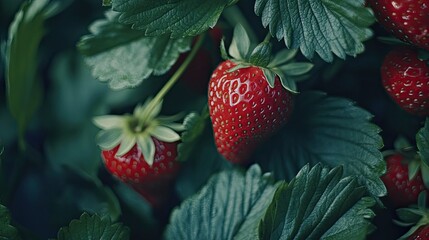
(176, 18)
(316, 205)
(194, 127)
(330, 130)
(136, 211)
(422, 139)
(87, 193)
(321, 26)
(7, 231)
(24, 92)
(232, 202)
(76, 149)
(124, 57)
(199, 167)
(93, 227)
(74, 96)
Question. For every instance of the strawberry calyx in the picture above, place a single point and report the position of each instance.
(138, 128)
(412, 157)
(416, 216)
(246, 54)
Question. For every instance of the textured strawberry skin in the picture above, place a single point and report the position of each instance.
(421, 234)
(406, 79)
(151, 182)
(401, 192)
(245, 110)
(408, 20)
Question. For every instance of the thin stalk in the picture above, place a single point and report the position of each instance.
(267, 38)
(164, 90)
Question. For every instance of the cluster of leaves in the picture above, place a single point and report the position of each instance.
(329, 153)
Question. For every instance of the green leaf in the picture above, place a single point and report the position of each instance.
(194, 126)
(330, 130)
(296, 68)
(124, 57)
(107, 34)
(240, 45)
(93, 227)
(408, 215)
(287, 81)
(228, 207)
(24, 91)
(425, 173)
(176, 18)
(270, 75)
(7, 231)
(316, 204)
(223, 52)
(354, 224)
(422, 139)
(202, 162)
(321, 26)
(282, 57)
(261, 55)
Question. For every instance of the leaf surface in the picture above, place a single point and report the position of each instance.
(176, 18)
(325, 27)
(124, 57)
(330, 130)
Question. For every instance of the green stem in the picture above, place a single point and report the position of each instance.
(234, 16)
(164, 90)
(267, 38)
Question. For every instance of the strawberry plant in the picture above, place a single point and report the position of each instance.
(220, 119)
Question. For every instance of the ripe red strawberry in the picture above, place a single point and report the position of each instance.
(408, 20)
(421, 234)
(406, 79)
(245, 110)
(401, 191)
(141, 150)
(251, 95)
(150, 181)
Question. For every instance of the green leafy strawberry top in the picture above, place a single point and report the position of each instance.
(245, 54)
(416, 216)
(138, 128)
(417, 159)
